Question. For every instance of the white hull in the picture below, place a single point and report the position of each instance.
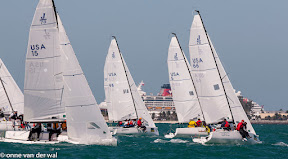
(22, 137)
(188, 132)
(227, 137)
(6, 126)
(134, 131)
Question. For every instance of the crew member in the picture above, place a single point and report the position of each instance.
(140, 124)
(1, 113)
(57, 128)
(192, 124)
(199, 123)
(120, 123)
(131, 123)
(126, 124)
(241, 127)
(208, 128)
(13, 118)
(50, 130)
(225, 125)
(36, 129)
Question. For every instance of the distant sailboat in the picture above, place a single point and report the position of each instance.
(184, 94)
(55, 85)
(214, 88)
(122, 97)
(11, 98)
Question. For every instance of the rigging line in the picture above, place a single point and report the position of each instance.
(6, 94)
(190, 75)
(126, 77)
(216, 65)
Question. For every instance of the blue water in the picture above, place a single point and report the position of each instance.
(274, 138)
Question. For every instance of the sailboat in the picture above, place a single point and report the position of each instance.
(11, 99)
(122, 97)
(185, 96)
(215, 91)
(55, 86)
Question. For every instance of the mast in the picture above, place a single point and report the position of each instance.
(216, 64)
(55, 13)
(6, 94)
(190, 75)
(126, 77)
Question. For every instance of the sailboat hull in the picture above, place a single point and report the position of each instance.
(190, 132)
(134, 131)
(22, 137)
(6, 126)
(227, 137)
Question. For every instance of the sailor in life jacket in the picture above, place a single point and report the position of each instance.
(241, 127)
(199, 123)
(131, 123)
(192, 124)
(208, 127)
(140, 124)
(126, 124)
(225, 125)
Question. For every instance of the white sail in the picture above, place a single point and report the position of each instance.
(235, 105)
(14, 93)
(118, 97)
(184, 94)
(205, 74)
(43, 85)
(85, 123)
(118, 82)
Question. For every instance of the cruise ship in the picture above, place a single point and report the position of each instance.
(162, 102)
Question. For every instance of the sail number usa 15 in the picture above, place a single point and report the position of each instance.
(35, 49)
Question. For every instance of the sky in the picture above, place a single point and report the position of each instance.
(249, 37)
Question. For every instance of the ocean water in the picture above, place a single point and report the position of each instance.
(274, 138)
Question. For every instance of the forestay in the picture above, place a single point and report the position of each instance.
(206, 77)
(122, 97)
(184, 94)
(14, 93)
(85, 123)
(43, 85)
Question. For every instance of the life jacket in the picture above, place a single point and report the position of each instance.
(139, 123)
(207, 129)
(192, 124)
(199, 122)
(131, 123)
(55, 126)
(227, 124)
(64, 127)
(239, 126)
(120, 123)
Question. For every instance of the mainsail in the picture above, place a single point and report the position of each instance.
(184, 94)
(206, 76)
(85, 123)
(43, 85)
(13, 93)
(122, 97)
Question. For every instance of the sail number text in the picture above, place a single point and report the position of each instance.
(35, 49)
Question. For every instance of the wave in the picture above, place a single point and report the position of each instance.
(178, 141)
(281, 144)
(171, 141)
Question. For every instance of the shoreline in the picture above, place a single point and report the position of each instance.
(283, 122)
